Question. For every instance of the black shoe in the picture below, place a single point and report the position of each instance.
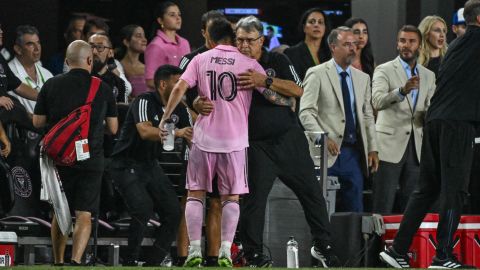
(131, 263)
(393, 259)
(58, 264)
(258, 260)
(449, 263)
(211, 261)
(74, 263)
(325, 256)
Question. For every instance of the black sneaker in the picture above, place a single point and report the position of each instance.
(325, 256)
(449, 263)
(259, 260)
(130, 263)
(393, 259)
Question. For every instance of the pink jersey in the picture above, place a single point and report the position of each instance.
(215, 74)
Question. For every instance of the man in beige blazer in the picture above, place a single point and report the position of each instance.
(401, 92)
(336, 100)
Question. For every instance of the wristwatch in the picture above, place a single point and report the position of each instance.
(268, 82)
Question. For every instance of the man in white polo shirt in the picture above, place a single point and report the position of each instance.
(26, 65)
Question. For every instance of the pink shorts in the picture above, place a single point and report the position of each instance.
(231, 169)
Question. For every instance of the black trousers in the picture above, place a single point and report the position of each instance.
(287, 158)
(405, 174)
(145, 188)
(447, 153)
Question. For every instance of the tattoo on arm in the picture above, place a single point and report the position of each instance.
(278, 99)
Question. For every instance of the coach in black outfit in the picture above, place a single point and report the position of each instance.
(58, 97)
(447, 148)
(136, 171)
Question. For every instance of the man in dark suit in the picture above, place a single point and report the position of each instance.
(447, 149)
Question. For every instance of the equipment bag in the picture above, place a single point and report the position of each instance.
(71, 133)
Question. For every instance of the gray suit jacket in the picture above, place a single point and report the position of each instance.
(321, 106)
(397, 118)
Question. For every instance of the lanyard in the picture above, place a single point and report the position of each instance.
(30, 81)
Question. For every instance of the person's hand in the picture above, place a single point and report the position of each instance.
(251, 79)
(5, 151)
(332, 147)
(186, 133)
(412, 83)
(163, 133)
(373, 161)
(203, 105)
(6, 102)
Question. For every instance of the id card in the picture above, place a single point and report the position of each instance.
(83, 152)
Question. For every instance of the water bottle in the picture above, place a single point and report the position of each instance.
(7, 259)
(292, 253)
(169, 142)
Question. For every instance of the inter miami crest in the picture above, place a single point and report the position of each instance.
(22, 182)
(271, 72)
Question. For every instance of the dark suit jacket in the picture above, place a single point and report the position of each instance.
(302, 59)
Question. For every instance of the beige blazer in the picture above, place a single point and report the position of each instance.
(321, 106)
(397, 118)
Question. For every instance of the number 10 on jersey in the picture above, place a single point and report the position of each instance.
(217, 85)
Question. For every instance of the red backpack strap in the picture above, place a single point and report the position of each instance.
(94, 85)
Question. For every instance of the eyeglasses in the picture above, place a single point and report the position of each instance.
(100, 48)
(249, 41)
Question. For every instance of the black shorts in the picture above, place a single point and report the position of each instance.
(82, 186)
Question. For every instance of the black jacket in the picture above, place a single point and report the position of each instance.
(302, 60)
(457, 96)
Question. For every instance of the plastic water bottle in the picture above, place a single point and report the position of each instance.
(168, 144)
(292, 253)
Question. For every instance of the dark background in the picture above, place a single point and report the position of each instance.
(51, 16)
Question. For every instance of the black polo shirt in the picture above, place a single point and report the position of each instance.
(267, 120)
(8, 80)
(64, 93)
(117, 85)
(193, 92)
(147, 107)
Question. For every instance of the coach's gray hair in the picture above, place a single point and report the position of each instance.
(23, 30)
(333, 37)
(250, 24)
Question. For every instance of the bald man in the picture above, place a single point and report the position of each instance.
(58, 97)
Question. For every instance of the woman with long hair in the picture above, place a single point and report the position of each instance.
(434, 42)
(166, 47)
(133, 45)
(313, 49)
(363, 55)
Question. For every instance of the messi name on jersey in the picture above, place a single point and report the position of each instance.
(222, 61)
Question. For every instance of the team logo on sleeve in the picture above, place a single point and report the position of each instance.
(174, 118)
(271, 72)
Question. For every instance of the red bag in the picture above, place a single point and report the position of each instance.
(59, 142)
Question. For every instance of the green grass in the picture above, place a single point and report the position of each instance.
(22, 267)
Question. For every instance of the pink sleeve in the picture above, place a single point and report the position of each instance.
(257, 67)
(191, 73)
(154, 57)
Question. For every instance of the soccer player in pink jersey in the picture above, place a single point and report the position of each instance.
(220, 139)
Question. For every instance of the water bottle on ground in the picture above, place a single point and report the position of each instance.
(292, 253)
(169, 142)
